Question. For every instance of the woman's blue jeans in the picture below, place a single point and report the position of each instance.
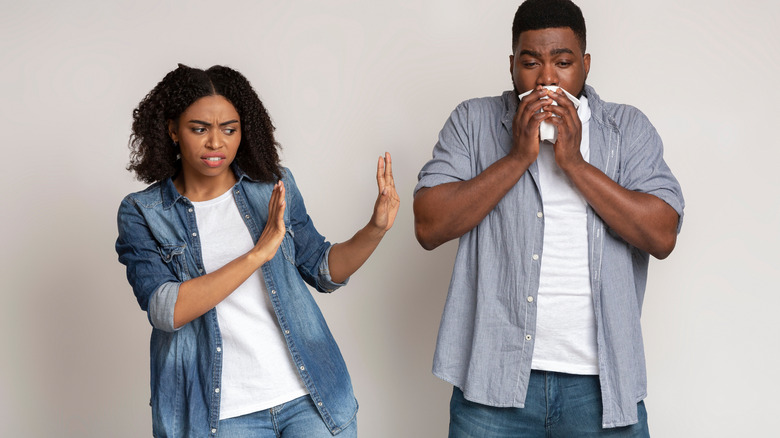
(557, 406)
(295, 419)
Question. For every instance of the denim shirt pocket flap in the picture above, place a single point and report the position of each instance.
(173, 256)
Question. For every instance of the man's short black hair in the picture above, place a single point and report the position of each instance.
(544, 14)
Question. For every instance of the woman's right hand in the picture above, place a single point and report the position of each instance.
(274, 230)
(198, 295)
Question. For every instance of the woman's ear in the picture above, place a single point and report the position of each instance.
(172, 131)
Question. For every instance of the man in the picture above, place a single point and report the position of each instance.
(540, 334)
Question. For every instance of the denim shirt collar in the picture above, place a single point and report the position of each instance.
(170, 195)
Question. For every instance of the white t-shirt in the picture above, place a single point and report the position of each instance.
(257, 369)
(565, 321)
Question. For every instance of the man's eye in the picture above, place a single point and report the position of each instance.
(199, 130)
(530, 64)
(230, 131)
(564, 63)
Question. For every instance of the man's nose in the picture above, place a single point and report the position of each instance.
(547, 76)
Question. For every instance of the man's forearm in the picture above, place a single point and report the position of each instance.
(643, 220)
(450, 210)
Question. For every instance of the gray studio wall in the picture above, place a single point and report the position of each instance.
(345, 80)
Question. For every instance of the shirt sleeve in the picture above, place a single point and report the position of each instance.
(311, 248)
(644, 169)
(148, 265)
(451, 161)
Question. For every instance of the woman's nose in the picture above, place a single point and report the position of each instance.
(214, 140)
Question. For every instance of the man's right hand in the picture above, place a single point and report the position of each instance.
(525, 126)
(450, 210)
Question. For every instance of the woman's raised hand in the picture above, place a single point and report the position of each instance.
(274, 230)
(387, 202)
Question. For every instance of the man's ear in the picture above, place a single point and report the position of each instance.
(512, 65)
(586, 63)
(172, 131)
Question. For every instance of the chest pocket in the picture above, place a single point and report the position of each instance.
(174, 258)
(288, 246)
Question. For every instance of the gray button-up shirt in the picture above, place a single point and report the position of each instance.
(486, 337)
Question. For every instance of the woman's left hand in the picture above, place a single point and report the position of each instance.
(387, 202)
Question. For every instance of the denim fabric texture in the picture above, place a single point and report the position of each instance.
(159, 245)
(487, 332)
(295, 419)
(558, 405)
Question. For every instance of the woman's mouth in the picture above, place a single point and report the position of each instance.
(213, 161)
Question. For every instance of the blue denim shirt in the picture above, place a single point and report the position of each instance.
(158, 243)
(487, 331)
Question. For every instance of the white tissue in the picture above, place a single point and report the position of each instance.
(548, 131)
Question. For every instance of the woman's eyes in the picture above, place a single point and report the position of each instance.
(202, 130)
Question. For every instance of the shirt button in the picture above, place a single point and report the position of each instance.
(213, 430)
(217, 390)
(273, 292)
(200, 271)
(527, 337)
(219, 349)
(539, 214)
(286, 332)
(190, 210)
(302, 368)
(530, 299)
(319, 403)
(535, 257)
(246, 216)
(194, 234)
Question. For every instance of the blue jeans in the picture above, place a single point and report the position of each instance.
(557, 405)
(295, 419)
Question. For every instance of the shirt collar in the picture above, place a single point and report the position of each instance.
(170, 195)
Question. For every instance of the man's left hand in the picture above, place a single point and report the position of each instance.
(567, 147)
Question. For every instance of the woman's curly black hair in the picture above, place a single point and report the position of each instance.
(153, 155)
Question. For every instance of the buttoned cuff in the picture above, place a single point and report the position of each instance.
(325, 281)
(432, 180)
(161, 306)
(674, 202)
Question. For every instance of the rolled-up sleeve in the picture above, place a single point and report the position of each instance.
(154, 285)
(161, 306)
(324, 281)
(311, 248)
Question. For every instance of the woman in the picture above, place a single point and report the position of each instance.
(217, 251)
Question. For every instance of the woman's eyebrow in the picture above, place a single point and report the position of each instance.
(201, 122)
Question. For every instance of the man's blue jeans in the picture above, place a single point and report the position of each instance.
(295, 419)
(557, 406)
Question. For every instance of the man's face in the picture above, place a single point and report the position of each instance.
(549, 57)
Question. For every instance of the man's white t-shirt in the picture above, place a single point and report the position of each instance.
(565, 321)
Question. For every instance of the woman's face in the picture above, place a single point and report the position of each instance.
(208, 133)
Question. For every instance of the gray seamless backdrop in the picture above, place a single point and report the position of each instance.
(345, 80)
